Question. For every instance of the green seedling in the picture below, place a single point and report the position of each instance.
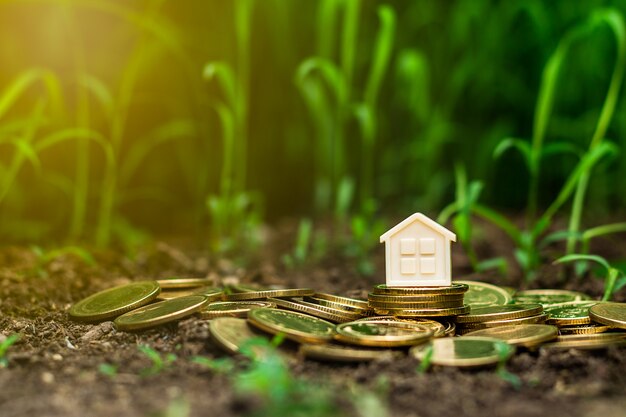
(301, 249)
(108, 369)
(614, 279)
(366, 229)
(371, 403)
(219, 365)
(177, 407)
(424, 365)
(159, 362)
(4, 347)
(44, 257)
(504, 351)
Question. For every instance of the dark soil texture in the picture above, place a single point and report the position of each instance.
(54, 369)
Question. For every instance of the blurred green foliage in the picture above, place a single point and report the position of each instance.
(209, 117)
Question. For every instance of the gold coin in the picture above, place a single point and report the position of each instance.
(611, 314)
(383, 333)
(264, 294)
(169, 283)
(160, 313)
(548, 297)
(232, 308)
(423, 312)
(569, 314)
(342, 300)
(114, 301)
(587, 329)
(315, 310)
(413, 306)
(527, 335)
(231, 333)
(587, 341)
(298, 327)
(450, 328)
(465, 352)
(332, 304)
(455, 288)
(340, 353)
(538, 319)
(481, 294)
(438, 329)
(377, 298)
(500, 312)
(211, 293)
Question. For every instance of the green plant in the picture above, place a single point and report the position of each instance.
(366, 228)
(159, 363)
(426, 361)
(503, 350)
(219, 365)
(108, 370)
(614, 278)
(4, 347)
(44, 257)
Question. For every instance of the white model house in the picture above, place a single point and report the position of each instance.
(417, 253)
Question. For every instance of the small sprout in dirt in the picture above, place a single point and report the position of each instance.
(300, 252)
(614, 279)
(159, 362)
(504, 351)
(425, 363)
(219, 365)
(44, 257)
(4, 346)
(371, 403)
(108, 369)
(178, 407)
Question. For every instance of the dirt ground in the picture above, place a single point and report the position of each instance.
(54, 369)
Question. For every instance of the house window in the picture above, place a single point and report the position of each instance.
(407, 247)
(427, 246)
(427, 265)
(408, 266)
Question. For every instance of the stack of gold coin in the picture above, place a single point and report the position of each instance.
(418, 301)
(500, 315)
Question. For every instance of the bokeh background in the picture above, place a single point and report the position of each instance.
(125, 119)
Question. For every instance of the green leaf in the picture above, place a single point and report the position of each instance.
(580, 257)
(520, 145)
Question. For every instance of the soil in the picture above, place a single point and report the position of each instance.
(54, 369)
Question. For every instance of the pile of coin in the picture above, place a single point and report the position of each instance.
(491, 321)
(412, 302)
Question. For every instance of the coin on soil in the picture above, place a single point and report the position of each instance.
(538, 319)
(481, 294)
(212, 293)
(341, 353)
(232, 308)
(383, 333)
(527, 335)
(337, 306)
(161, 312)
(569, 314)
(231, 333)
(298, 327)
(465, 352)
(111, 303)
(438, 329)
(342, 300)
(455, 288)
(611, 314)
(588, 341)
(264, 294)
(549, 297)
(499, 312)
(327, 313)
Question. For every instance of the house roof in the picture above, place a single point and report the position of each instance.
(420, 218)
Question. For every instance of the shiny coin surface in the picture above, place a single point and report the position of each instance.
(160, 313)
(464, 352)
(211, 293)
(481, 294)
(332, 304)
(264, 294)
(587, 341)
(438, 329)
(500, 312)
(538, 319)
(419, 298)
(342, 300)
(548, 297)
(341, 353)
(231, 333)
(455, 288)
(569, 314)
(232, 308)
(111, 303)
(409, 306)
(334, 315)
(584, 329)
(611, 314)
(383, 333)
(527, 335)
(169, 283)
(296, 326)
(424, 312)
